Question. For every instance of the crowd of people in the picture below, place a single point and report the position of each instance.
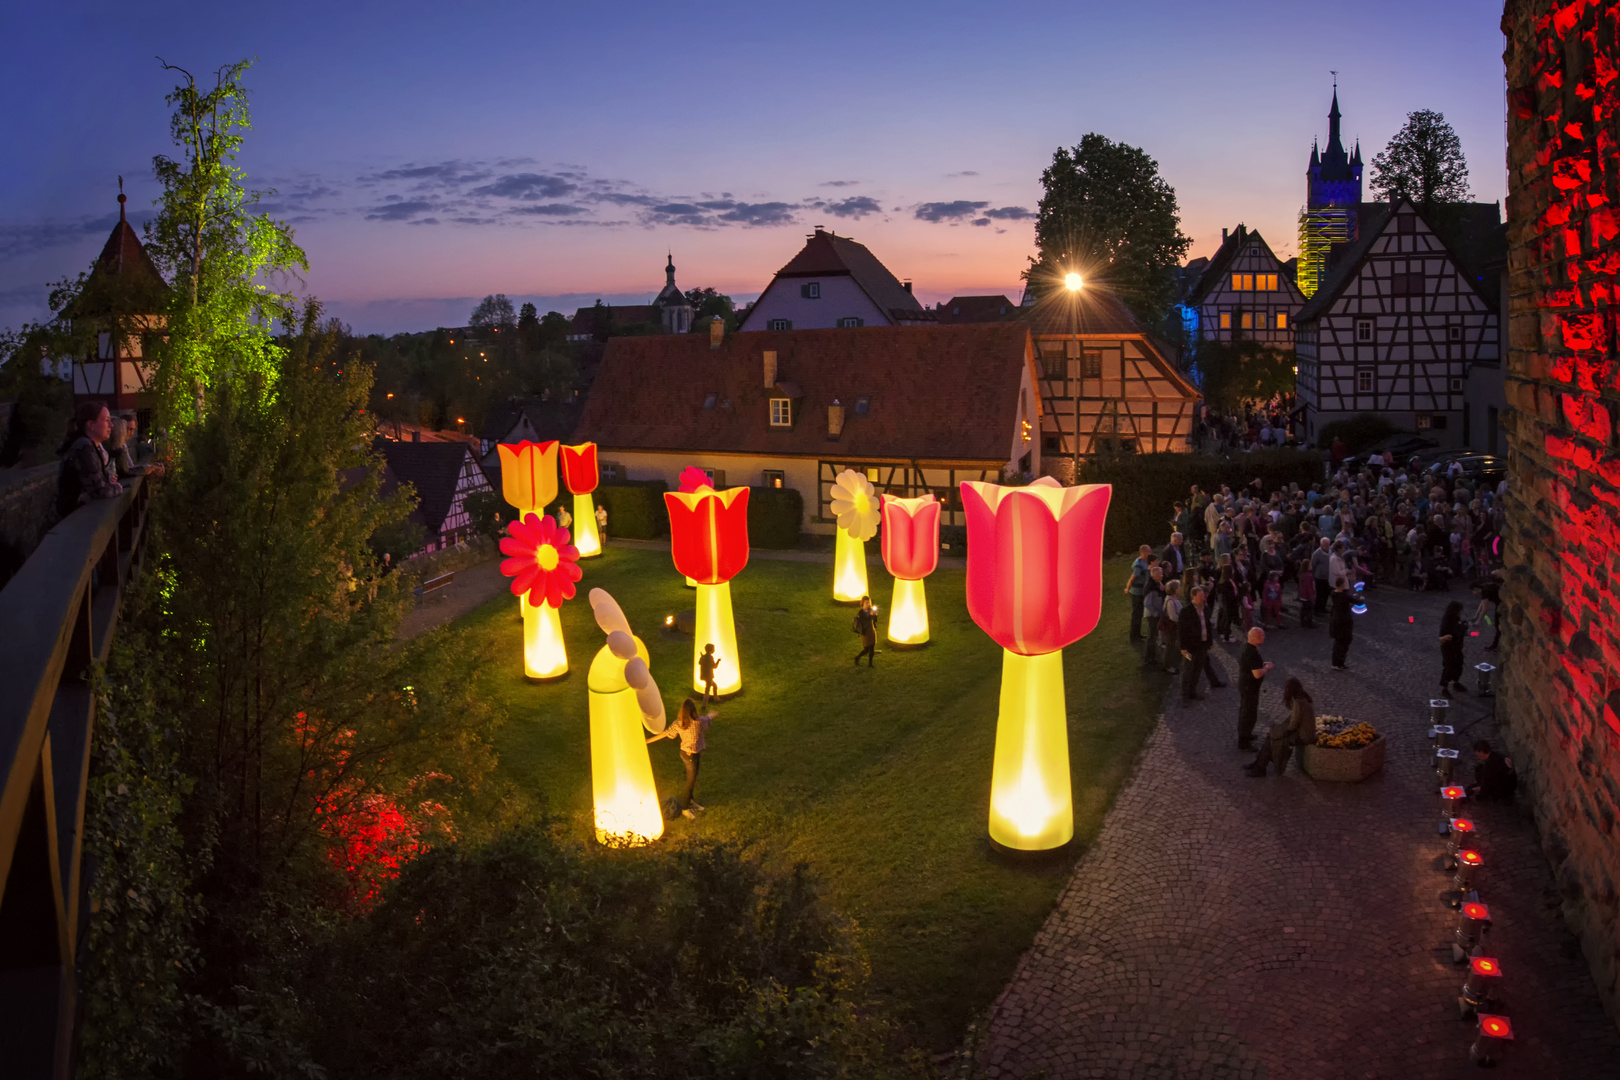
(1254, 427)
(1242, 563)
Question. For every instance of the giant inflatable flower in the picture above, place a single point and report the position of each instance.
(709, 542)
(543, 567)
(910, 553)
(529, 474)
(624, 700)
(543, 564)
(580, 474)
(1034, 584)
(855, 506)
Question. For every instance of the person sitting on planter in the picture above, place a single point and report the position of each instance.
(1298, 729)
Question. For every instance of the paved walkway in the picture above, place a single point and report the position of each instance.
(1224, 926)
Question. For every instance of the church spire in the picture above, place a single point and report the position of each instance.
(1333, 123)
(669, 272)
(1316, 157)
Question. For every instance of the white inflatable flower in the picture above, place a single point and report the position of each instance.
(855, 504)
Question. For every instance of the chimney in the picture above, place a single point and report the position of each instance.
(1223, 236)
(770, 369)
(835, 419)
(906, 285)
(717, 332)
(416, 435)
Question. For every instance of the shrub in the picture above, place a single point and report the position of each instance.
(635, 508)
(1146, 486)
(774, 516)
(1358, 432)
(535, 957)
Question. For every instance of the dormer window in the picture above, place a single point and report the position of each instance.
(781, 412)
(810, 290)
(863, 405)
(779, 324)
(851, 321)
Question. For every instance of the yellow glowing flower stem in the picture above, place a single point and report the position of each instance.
(623, 794)
(849, 568)
(544, 654)
(714, 625)
(908, 614)
(586, 538)
(1031, 805)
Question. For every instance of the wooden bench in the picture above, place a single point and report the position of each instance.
(432, 585)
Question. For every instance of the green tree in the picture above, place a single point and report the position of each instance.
(227, 267)
(706, 304)
(493, 314)
(1231, 373)
(1424, 163)
(1108, 214)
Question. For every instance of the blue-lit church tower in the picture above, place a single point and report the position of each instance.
(1333, 189)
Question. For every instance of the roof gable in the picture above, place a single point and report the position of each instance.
(432, 468)
(977, 309)
(934, 392)
(1219, 267)
(827, 254)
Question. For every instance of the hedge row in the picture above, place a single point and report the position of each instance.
(774, 517)
(635, 508)
(1146, 486)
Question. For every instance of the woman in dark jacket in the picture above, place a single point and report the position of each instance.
(86, 472)
(1341, 628)
(1299, 729)
(1453, 632)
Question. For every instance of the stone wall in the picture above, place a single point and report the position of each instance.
(1560, 689)
(27, 510)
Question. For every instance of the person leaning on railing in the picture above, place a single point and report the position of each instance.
(87, 472)
(117, 447)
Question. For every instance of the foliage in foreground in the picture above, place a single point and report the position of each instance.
(1234, 372)
(529, 957)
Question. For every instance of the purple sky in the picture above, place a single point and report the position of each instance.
(428, 154)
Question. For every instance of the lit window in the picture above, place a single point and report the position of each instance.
(1364, 382)
(1271, 282)
(1364, 331)
(1248, 321)
(774, 478)
(1237, 281)
(1282, 320)
(1226, 320)
(1248, 281)
(850, 321)
(810, 290)
(779, 324)
(781, 412)
(872, 475)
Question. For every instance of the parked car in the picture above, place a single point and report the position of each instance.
(1480, 468)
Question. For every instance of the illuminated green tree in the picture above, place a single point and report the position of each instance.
(1108, 214)
(227, 267)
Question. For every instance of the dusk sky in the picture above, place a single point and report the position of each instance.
(428, 154)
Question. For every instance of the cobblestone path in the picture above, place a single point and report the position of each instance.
(1224, 926)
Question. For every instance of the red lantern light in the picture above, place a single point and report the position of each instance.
(1497, 1027)
(1476, 912)
(1452, 793)
(1484, 965)
(1470, 858)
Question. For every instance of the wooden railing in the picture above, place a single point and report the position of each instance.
(57, 617)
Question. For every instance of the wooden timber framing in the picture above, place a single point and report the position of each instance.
(57, 617)
(1395, 331)
(908, 480)
(1109, 391)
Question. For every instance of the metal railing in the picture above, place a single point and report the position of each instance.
(57, 617)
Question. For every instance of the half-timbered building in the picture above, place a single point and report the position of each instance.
(443, 474)
(1395, 330)
(916, 409)
(1104, 382)
(1245, 293)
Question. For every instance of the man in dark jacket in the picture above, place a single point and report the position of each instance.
(1494, 778)
(1175, 554)
(1252, 671)
(1196, 634)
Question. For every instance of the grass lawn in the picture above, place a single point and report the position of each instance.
(879, 779)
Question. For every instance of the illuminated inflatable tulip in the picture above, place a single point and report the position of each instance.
(624, 699)
(543, 567)
(910, 552)
(1034, 584)
(580, 475)
(855, 505)
(693, 478)
(529, 475)
(709, 540)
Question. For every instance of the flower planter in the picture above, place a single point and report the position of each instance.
(1345, 766)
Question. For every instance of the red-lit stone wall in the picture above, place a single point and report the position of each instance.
(1560, 687)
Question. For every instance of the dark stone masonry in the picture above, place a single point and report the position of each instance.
(1560, 705)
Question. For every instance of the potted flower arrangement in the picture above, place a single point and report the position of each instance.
(1345, 750)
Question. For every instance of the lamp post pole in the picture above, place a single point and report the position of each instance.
(1073, 283)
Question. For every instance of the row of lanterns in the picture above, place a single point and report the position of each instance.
(1477, 999)
(1034, 584)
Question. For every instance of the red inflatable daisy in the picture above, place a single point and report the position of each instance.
(543, 563)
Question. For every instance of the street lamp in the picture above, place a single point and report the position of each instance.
(1072, 282)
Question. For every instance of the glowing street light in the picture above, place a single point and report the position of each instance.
(1072, 281)
(1034, 584)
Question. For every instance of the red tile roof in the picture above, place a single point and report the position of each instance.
(624, 315)
(976, 309)
(943, 393)
(1091, 311)
(827, 254)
